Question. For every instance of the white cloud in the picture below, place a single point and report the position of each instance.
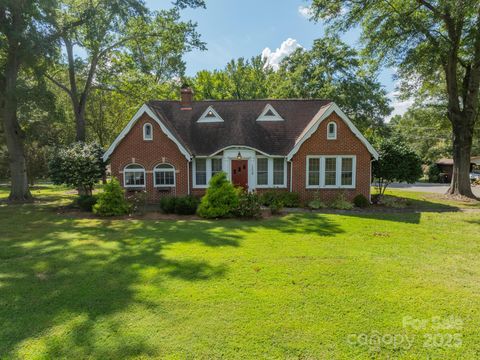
(274, 58)
(305, 11)
(400, 107)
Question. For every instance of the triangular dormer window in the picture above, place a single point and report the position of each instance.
(210, 115)
(269, 114)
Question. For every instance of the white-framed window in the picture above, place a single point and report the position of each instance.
(347, 173)
(332, 131)
(147, 131)
(278, 171)
(204, 169)
(201, 172)
(262, 171)
(134, 175)
(269, 114)
(210, 116)
(164, 175)
(331, 171)
(271, 172)
(216, 166)
(313, 172)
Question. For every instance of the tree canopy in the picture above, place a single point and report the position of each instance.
(429, 41)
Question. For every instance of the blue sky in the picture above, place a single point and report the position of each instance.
(244, 28)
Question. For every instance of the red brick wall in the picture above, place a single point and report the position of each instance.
(149, 154)
(345, 144)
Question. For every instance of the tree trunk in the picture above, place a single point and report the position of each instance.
(462, 146)
(80, 122)
(19, 191)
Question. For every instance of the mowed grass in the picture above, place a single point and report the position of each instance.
(310, 286)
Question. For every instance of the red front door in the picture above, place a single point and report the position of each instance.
(240, 173)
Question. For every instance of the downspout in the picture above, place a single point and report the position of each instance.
(370, 181)
(291, 174)
(188, 176)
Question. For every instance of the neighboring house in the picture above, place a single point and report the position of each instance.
(446, 168)
(305, 146)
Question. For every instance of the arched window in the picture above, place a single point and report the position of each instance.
(134, 175)
(332, 131)
(164, 175)
(147, 132)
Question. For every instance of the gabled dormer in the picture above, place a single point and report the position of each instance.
(269, 114)
(210, 116)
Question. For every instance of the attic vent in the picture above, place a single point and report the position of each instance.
(210, 116)
(269, 114)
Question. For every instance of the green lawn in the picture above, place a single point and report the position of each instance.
(301, 286)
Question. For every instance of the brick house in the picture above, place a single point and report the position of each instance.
(304, 146)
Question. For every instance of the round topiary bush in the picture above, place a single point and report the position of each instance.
(221, 198)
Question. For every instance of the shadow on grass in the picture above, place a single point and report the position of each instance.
(52, 268)
(66, 273)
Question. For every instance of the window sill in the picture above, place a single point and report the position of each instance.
(330, 187)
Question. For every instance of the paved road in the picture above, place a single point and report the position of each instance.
(426, 187)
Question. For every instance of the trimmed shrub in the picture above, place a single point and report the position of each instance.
(361, 201)
(186, 205)
(86, 202)
(288, 199)
(276, 207)
(167, 204)
(340, 203)
(111, 202)
(317, 204)
(221, 198)
(248, 205)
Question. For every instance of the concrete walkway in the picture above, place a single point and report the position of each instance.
(428, 187)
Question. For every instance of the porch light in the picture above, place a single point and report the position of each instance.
(239, 156)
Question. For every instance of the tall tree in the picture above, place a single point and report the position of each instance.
(429, 40)
(240, 79)
(24, 38)
(333, 70)
(109, 30)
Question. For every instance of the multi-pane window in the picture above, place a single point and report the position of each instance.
(332, 131)
(313, 172)
(216, 166)
(147, 132)
(347, 172)
(330, 171)
(134, 175)
(200, 171)
(164, 175)
(262, 171)
(278, 171)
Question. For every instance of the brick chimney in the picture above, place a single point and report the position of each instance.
(186, 95)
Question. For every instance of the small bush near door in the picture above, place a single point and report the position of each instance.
(221, 198)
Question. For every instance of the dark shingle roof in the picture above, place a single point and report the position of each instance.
(240, 126)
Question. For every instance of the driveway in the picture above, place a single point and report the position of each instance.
(428, 187)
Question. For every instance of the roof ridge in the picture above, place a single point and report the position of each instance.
(243, 100)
